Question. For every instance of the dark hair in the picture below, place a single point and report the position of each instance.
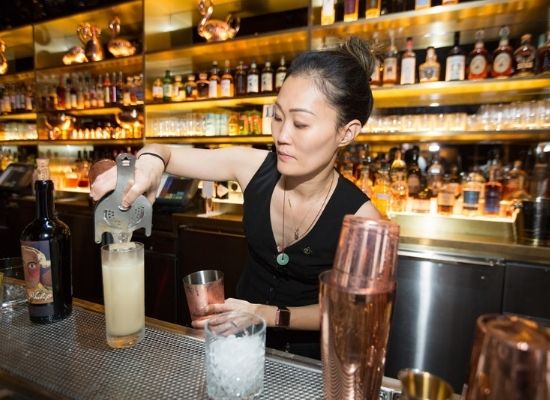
(342, 74)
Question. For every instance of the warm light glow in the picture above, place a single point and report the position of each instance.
(434, 147)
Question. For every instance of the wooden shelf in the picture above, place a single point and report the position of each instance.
(160, 108)
(464, 92)
(435, 26)
(245, 139)
(260, 48)
(109, 65)
(91, 112)
(17, 77)
(18, 116)
(31, 142)
(93, 142)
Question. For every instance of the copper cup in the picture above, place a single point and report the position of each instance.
(514, 362)
(203, 288)
(421, 385)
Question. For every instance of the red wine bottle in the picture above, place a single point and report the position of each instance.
(46, 253)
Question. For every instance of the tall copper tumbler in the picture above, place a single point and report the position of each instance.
(356, 299)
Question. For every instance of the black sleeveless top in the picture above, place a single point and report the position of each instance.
(297, 283)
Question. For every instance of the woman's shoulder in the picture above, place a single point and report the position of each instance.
(251, 161)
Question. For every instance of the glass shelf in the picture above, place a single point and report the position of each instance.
(159, 108)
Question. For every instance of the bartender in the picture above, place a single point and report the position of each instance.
(294, 199)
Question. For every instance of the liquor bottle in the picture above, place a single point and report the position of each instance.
(119, 87)
(421, 4)
(203, 86)
(228, 88)
(514, 183)
(167, 87)
(502, 56)
(524, 57)
(240, 80)
(253, 79)
(456, 62)
(543, 56)
(390, 72)
(430, 69)
(421, 201)
(138, 84)
(214, 82)
(46, 254)
(373, 9)
(399, 189)
(178, 93)
(115, 93)
(61, 93)
(74, 94)
(408, 64)
(157, 90)
(190, 88)
(472, 192)
(398, 169)
(382, 191)
(376, 77)
(446, 197)
(414, 175)
(327, 12)
(100, 93)
(478, 67)
(493, 194)
(266, 84)
(280, 74)
(107, 90)
(435, 175)
(351, 10)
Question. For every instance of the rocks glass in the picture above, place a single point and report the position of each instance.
(122, 265)
(235, 355)
(356, 299)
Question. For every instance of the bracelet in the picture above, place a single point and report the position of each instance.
(154, 155)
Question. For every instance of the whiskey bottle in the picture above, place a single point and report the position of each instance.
(524, 57)
(446, 198)
(280, 74)
(228, 87)
(327, 12)
(493, 194)
(203, 86)
(456, 62)
(351, 10)
(376, 77)
(478, 67)
(390, 72)
(408, 64)
(166, 87)
(190, 88)
(267, 78)
(421, 4)
(253, 79)
(543, 56)
(214, 82)
(156, 91)
(240, 80)
(502, 56)
(178, 94)
(414, 174)
(429, 70)
(107, 90)
(373, 8)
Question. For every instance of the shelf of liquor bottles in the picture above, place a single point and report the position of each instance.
(434, 26)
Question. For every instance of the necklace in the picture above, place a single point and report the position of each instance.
(282, 257)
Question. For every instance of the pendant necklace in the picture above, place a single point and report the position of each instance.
(282, 257)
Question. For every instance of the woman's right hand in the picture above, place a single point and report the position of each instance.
(148, 173)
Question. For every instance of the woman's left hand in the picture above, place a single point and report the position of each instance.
(229, 305)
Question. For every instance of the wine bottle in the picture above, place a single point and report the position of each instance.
(46, 253)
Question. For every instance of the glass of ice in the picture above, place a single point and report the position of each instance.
(235, 355)
(122, 265)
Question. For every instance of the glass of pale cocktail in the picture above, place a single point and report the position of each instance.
(122, 265)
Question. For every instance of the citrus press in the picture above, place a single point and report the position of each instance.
(110, 216)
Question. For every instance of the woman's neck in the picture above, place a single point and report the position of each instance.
(308, 187)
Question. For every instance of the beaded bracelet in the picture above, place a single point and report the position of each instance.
(154, 155)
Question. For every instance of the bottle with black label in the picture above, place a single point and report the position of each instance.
(456, 62)
(46, 254)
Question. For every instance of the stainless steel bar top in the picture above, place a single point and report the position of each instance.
(71, 360)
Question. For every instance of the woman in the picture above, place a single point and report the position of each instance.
(294, 200)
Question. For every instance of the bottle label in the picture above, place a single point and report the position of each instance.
(390, 69)
(252, 84)
(455, 68)
(37, 268)
(279, 79)
(167, 90)
(478, 65)
(226, 88)
(408, 67)
(375, 77)
(502, 63)
(213, 89)
(428, 74)
(470, 197)
(527, 65)
(413, 182)
(267, 82)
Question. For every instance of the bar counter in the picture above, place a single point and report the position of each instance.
(71, 360)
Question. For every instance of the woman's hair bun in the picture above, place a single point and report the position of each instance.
(360, 50)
